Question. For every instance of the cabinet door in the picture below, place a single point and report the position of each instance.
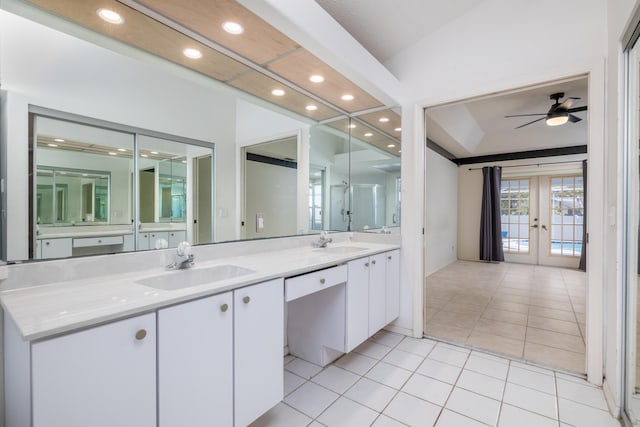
(104, 376)
(176, 237)
(157, 235)
(258, 349)
(357, 303)
(377, 293)
(195, 363)
(143, 241)
(393, 285)
(56, 248)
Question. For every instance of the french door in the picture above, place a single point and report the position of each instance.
(542, 219)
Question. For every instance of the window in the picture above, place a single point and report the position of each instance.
(514, 215)
(567, 215)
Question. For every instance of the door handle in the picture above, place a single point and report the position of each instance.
(534, 226)
(544, 227)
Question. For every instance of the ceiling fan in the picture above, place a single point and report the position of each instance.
(558, 114)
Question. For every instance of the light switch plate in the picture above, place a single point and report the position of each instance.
(259, 222)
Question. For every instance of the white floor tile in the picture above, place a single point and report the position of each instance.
(384, 421)
(387, 338)
(572, 378)
(404, 360)
(439, 370)
(531, 379)
(302, 368)
(336, 379)
(510, 416)
(582, 393)
(421, 347)
(576, 414)
(389, 375)
(356, 363)
(316, 424)
(454, 347)
(373, 349)
(282, 415)
(531, 400)
(292, 382)
(533, 368)
(488, 367)
(481, 384)
(311, 399)
(453, 419)
(371, 394)
(472, 405)
(412, 411)
(288, 359)
(490, 357)
(347, 413)
(428, 389)
(448, 355)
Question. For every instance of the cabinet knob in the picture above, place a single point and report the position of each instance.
(366, 264)
(99, 241)
(373, 262)
(322, 281)
(389, 257)
(246, 300)
(225, 307)
(141, 334)
(47, 243)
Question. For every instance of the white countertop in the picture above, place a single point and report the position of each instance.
(43, 311)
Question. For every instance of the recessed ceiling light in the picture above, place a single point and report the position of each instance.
(154, 152)
(383, 119)
(113, 153)
(110, 16)
(277, 92)
(232, 28)
(52, 145)
(347, 97)
(352, 126)
(398, 129)
(144, 155)
(58, 140)
(316, 78)
(391, 145)
(121, 149)
(84, 174)
(192, 53)
(311, 107)
(368, 134)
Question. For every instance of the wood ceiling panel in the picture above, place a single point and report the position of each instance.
(260, 42)
(261, 86)
(389, 127)
(145, 33)
(297, 68)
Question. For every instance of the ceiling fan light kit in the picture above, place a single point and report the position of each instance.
(557, 118)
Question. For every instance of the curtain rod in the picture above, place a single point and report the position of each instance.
(533, 164)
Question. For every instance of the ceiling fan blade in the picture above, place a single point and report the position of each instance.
(575, 110)
(574, 119)
(567, 103)
(527, 124)
(525, 115)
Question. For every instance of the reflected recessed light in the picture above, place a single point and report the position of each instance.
(58, 140)
(368, 134)
(277, 92)
(121, 149)
(383, 119)
(352, 126)
(399, 151)
(84, 174)
(144, 155)
(347, 97)
(192, 53)
(63, 173)
(110, 16)
(52, 145)
(316, 78)
(391, 145)
(232, 28)
(154, 152)
(113, 153)
(184, 161)
(398, 129)
(311, 107)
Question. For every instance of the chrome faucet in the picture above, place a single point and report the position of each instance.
(183, 258)
(322, 240)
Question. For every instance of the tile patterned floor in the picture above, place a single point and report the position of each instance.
(392, 380)
(531, 312)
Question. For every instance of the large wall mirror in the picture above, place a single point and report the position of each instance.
(123, 155)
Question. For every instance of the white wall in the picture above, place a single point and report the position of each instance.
(441, 202)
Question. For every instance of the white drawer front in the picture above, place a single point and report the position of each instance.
(306, 284)
(97, 241)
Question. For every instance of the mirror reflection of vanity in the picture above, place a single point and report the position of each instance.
(132, 152)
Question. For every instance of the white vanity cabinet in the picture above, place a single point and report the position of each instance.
(258, 343)
(393, 285)
(176, 237)
(195, 363)
(55, 248)
(103, 376)
(377, 293)
(357, 321)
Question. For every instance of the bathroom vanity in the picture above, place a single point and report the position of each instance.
(192, 347)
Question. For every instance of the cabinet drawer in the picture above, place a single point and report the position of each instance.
(84, 242)
(309, 283)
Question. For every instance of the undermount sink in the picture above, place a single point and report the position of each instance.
(340, 249)
(180, 279)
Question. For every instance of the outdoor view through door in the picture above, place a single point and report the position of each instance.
(542, 219)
